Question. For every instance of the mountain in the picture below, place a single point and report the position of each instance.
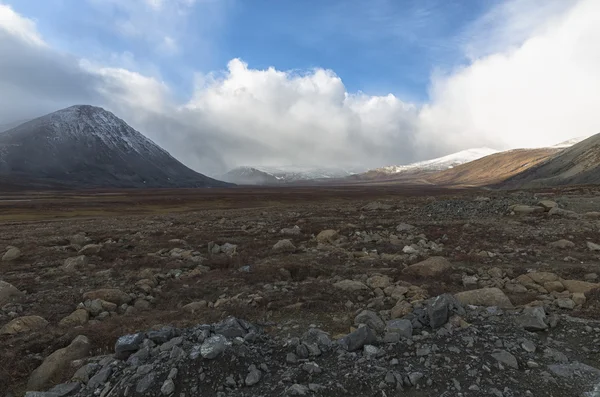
(249, 176)
(492, 169)
(441, 163)
(86, 146)
(266, 175)
(576, 165)
(570, 142)
(415, 172)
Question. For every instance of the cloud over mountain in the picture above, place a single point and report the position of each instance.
(536, 91)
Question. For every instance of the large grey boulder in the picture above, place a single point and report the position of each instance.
(357, 339)
(371, 319)
(213, 347)
(58, 362)
(128, 344)
(533, 319)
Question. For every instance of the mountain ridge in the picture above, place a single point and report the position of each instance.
(89, 147)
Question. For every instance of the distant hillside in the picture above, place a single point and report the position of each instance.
(492, 169)
(250, 176)
(576, 165)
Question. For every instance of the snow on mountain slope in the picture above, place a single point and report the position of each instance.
(87, 146)
(570, 142)
(440, 163)
(268, 175)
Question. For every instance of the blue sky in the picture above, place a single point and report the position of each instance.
(379, 46)
(353, 84)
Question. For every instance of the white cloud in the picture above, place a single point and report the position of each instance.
(538, 93)
(16, 25)
(534, 91)
(160, 23)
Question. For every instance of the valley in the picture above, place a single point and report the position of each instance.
(301, 263)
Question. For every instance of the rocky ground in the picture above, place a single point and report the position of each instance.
(465, 293)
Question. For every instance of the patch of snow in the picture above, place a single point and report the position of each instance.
(441, 163)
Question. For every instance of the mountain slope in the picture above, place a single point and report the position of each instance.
(266, 175)
(415, 172)
(441, 163)
(492, 169)
(249, 176)
(576, 165)
(86, 146)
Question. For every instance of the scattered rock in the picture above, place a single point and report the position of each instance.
(128, 344)
(547, 204)
(72, 264)
(24, 324)
(350, 285)
(57, 362)
(371, 319)
(574, 286)
(533, 319)
(379, 282)
(90, 249)
(327, 236)
(194, 307)
(431, 267)
(526, 209)
(11, 254)
(403, 328)
(213, 347)
(8, 292)
(506, 358)
(592, 246)
(357, 339)
(485, 297)
(562, 244)
(404, 227)
(109, 294)
(284, 246)
(78, 317)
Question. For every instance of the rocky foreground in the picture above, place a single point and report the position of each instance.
(442, 348)
(466, 295)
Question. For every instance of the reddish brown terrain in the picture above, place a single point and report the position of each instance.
(182, 258)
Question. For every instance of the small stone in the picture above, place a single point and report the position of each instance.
(562, 244)
(485, 297)
(579, 298)
(327, 236)
(12, 253)
(23, 324)
(528, 346)
(213, 347)
(371, 319)
(565, 303)
(357, 339)
(379, 282)
(167, 388)
(284, 246)
(350, 285)
(78, 317)
(253, 376)
(533, 319)
(431, 267)
(297, 390)
(128, 344)
(100, 378)
(403, 328)
(506, 358)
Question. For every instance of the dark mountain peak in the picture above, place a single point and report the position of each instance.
(88, 146)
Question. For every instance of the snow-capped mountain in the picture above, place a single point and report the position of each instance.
(266, 175)
(441, 163)
(87, 146)
(570, 142)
